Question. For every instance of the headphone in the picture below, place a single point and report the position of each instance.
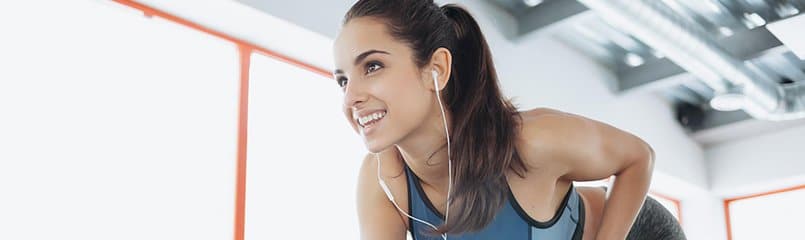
(385, 187)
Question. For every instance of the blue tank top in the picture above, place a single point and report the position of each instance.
(511, 222)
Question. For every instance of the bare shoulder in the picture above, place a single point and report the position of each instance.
(537, 124)
(579, 148)
(378, 217)
(539, 120)
(541, 111)
(541, 129)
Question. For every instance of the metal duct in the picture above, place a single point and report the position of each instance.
(692, 48)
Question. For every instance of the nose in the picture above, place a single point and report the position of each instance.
(355, 96)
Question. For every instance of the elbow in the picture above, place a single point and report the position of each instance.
(645, 159)
(649, 160)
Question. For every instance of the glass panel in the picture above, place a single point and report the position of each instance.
(303, 156)
(775, 216)
(114, 126)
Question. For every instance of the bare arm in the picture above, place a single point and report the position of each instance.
(378, 218)
(584, 149)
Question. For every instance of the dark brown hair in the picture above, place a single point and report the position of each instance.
(484, 124)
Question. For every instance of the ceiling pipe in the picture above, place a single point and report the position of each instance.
(691, 47)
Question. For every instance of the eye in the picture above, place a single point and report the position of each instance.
(373, 66)
(341, 81)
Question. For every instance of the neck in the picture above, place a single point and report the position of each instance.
(425, 151)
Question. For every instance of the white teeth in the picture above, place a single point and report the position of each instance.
(370, 117)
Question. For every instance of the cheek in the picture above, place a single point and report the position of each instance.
(400, 91)
(407, 101)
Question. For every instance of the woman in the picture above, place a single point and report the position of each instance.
(458, 160)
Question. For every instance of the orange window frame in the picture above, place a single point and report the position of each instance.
(245, 50)
(673, 200)
(730, 200)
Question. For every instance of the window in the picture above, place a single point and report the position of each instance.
(303, 156)
(114, 125)
(768, 216)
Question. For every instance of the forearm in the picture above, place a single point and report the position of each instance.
(625, 200)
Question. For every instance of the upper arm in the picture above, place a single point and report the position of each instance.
(378, 218)
(582, 149)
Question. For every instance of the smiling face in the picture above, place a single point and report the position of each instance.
(380, 80)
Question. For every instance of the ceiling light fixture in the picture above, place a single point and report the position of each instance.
(715, 6)
(657, 53)
(731, 100)
(532, 3)
(753, 20)
(633, 60)
(785, 9)
(725, 31)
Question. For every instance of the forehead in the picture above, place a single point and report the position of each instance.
(360, 35)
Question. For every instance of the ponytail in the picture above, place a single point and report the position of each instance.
(483, 132)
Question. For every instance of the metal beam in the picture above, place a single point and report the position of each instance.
(648, 73)
(546, 14)
(714, 118)
(687, 95)
(751, 43)
(743, 45)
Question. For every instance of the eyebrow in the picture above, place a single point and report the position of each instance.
(360, 58)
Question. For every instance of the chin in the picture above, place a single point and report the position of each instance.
(376, 148)
(376, 145)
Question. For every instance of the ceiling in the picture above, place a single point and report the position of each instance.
(739, 27)
(328, 13)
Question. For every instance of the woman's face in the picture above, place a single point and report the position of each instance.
(378, 75)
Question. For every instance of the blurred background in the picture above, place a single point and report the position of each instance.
(137, 119)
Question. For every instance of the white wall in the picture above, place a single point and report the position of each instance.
(702, 212)
(307, 14)
(762, 163)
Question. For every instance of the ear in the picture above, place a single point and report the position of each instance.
(441, 60)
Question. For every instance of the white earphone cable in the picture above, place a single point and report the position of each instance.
(391, 198)
(447, 135)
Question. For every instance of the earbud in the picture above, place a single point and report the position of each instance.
(435, 75)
